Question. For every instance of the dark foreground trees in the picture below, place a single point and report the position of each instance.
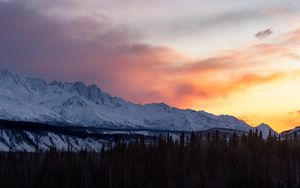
(210, 161)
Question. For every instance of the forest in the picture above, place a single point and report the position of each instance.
(212, 160)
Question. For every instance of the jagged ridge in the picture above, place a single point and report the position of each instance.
(30, 99)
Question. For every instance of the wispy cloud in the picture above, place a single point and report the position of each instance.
(195, 24)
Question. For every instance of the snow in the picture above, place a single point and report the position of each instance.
(27, 141)
(59, 103)
(30, 99)
(291, 133)
(266, 129)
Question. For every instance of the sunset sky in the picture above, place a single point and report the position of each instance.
(223, 56)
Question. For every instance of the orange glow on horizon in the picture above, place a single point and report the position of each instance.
(256, 83)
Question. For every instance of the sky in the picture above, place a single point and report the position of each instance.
(223, 56)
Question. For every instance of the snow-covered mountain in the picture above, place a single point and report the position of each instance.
(35, 100)
(266, 130)
(293, 133)
(85, 117)
(12, 140)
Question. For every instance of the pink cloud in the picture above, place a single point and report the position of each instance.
(90, 50)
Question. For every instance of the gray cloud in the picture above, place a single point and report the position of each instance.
(263, 34)
(192, 24)
(92, 51)
(85, 49)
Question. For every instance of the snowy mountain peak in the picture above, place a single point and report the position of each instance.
(263, 125)
(5, 74)
(4, 71)
(266, 130)
(31, 99)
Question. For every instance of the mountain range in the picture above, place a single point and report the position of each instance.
(82, 107)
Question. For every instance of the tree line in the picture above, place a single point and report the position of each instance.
(212, 160)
